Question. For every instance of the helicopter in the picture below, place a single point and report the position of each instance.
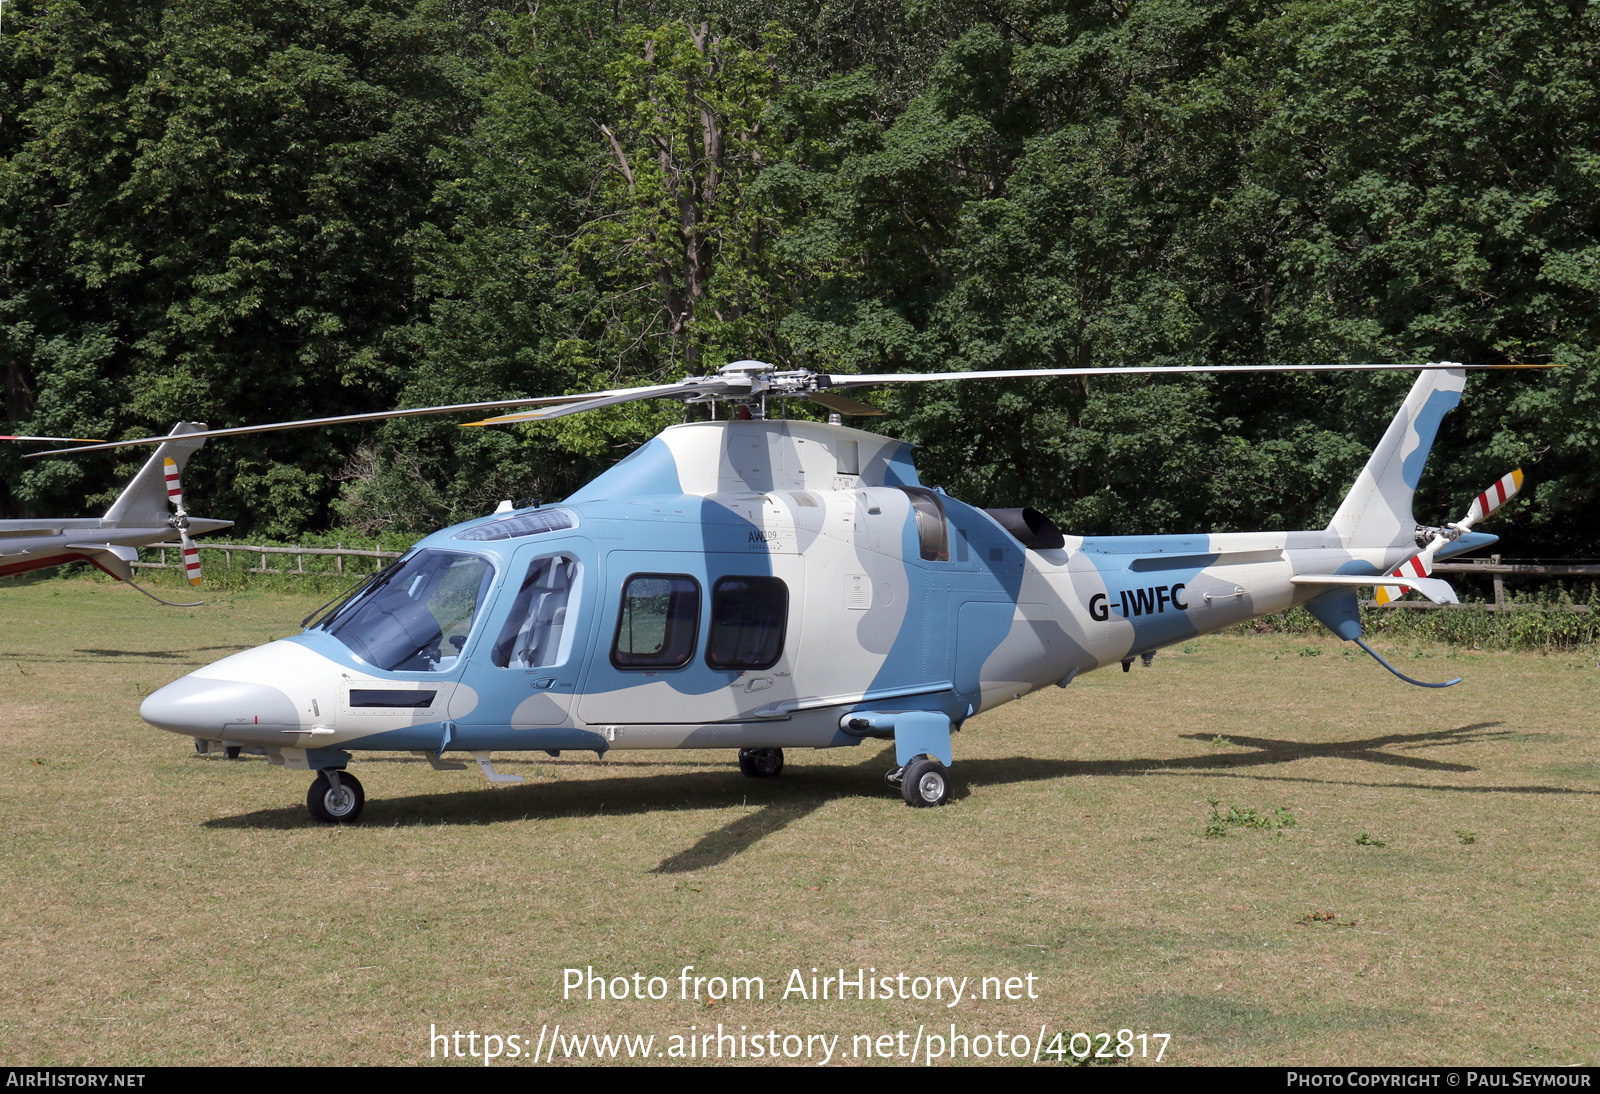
(139, 517)
(762, 584)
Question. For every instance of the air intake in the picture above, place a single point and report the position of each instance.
(1030, 528)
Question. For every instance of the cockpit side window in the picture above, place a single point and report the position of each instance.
(536, 634)
(659, 622)
(419, 619)
(933, 535)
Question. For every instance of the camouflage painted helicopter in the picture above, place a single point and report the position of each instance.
(139, 517)
(762, 585)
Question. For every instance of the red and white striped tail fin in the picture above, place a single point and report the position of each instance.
(1494, 497)
(191, 561)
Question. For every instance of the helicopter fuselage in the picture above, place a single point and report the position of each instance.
(746, 584)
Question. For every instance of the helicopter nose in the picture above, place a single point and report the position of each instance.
(200, 707)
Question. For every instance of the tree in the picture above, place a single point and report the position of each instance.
(218, 194)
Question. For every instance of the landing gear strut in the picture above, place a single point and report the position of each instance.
(335, 797)
(761, 763)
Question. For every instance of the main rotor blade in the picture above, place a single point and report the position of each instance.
(840, 405)
(74, 440)
(847, 380)
(737, 384)
(307, 423)
(690, 388)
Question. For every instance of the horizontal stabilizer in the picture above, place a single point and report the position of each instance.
(1435, 589)
(114, 558)
(1472, 541)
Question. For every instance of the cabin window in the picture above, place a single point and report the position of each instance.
(933, 537)
(536, 633)
(416, 618)
(748, 618)
(659, 622)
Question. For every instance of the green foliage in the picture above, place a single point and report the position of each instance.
(1556, 627)
(1221, 823)
(235, 212)
(221, 191)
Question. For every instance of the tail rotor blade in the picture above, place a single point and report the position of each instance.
(180, 521)
(174, 487)
(1421, 564)
(1418, 565)
(1493, 498)
(191, 560)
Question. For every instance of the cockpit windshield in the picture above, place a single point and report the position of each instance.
(419, 617)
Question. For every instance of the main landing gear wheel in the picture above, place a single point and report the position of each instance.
(925, 782)
(761, 763)
(335, 797)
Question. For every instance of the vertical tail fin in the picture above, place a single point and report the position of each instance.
(143, 502)
(1377, 511)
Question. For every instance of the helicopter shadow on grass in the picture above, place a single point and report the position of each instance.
(1268, 751)
(567, 762)
(775, 803)
(781, 802)
(186, 655)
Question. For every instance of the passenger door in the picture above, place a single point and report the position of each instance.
(682, 645)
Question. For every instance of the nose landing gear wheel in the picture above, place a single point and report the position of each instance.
(335, 797)
(925, 783)
(761, 763)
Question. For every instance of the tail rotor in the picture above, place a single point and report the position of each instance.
(180, 523)
(1421, 564)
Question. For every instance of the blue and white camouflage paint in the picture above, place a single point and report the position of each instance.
(903, 611)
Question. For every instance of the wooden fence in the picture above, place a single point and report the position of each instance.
(338, 554)
(1489, 567)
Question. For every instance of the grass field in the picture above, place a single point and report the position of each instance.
(1401, 877)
